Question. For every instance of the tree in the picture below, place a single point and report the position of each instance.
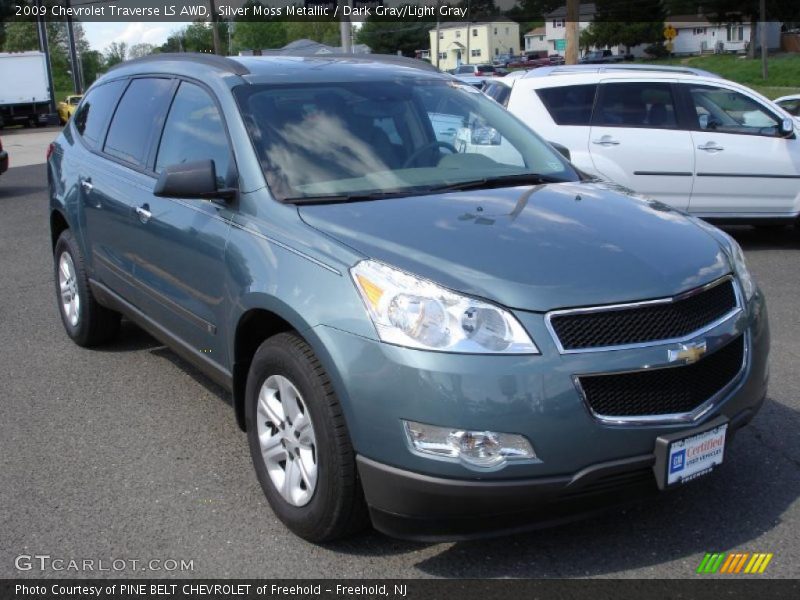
(141, 50)
(480, 10)
(387, 37)
(255, 35)
(324, 32)
(93, 64)
(116, 53)
(626, 25)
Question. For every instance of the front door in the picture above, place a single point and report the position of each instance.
(744, 166)
(635, 140)
(181, 269)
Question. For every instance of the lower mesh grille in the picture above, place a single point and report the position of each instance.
(671, 390)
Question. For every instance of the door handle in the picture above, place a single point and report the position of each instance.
(144, 213)
(711, 147)
(606, 140)
(86, 184)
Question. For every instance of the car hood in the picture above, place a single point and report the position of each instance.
(533, 247)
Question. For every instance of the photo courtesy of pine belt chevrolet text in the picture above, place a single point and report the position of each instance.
(429, 320)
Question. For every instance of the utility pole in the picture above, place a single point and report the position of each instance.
(438, 29)
(214, 28)
(762, 26)
(77, 84)
(571, 31)
(45, 47)
(345, 29)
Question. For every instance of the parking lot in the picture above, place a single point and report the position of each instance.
(126, 452)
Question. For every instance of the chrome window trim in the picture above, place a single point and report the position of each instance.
(632, 305)
(669, 418)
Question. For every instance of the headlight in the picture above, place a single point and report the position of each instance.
(417, 313)
(736, 255)
(740, 266)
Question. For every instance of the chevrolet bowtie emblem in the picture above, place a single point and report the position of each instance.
(688, 353)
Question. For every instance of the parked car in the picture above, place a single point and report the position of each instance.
(502, 60)
(448, 339)
(3, 159)
(700, 143)
(475, 70)
(601, 56)
(530, 61)
(67, 106)
(790, 104)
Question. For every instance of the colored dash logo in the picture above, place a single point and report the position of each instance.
(734, 563)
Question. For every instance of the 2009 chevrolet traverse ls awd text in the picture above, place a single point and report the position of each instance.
(447, 339)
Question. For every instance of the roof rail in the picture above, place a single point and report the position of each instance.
(212, 60)
(568, 69)
(382, 58)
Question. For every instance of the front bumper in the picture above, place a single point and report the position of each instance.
(584, 463)
(409, 505)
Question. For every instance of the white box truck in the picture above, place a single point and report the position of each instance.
(24, 91)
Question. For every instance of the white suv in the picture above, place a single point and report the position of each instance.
(683, 136)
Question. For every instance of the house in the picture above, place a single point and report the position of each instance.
(306, 47)
(473, 43)
(536, 40)
(697, 35)
(555, 26)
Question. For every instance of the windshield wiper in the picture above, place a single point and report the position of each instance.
(354, 197)
(497, 181)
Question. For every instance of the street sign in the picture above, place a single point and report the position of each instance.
(670, 33)
(561, 45)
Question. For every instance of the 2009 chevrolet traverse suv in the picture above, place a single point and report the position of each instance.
(446, 340)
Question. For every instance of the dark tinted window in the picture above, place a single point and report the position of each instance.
(93, 113)
(137, 118)
(570, 104)
(636, 104)
(498, 92)
(791, 106)
(194, 131)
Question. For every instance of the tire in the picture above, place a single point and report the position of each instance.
(86, 322)
(334, 508)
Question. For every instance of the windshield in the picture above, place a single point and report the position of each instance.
(341, 140)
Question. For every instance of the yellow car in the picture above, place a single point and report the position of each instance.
(67, 106)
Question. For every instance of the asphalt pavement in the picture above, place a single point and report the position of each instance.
(126, 452)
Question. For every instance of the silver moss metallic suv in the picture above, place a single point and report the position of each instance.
(426, 316)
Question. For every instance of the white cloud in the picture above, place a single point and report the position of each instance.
(100, 35)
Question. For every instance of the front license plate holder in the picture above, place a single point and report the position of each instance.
(684, 456)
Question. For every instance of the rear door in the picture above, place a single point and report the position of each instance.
(744, 167)
(635, 140)
(117, 182)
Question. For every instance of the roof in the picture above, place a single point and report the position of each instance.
(537, 31)
(588, 9)
(465, 25)
(595, 72)
(283, 67)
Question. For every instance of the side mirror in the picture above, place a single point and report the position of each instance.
(787, 127)
(188, 180)
(562, 150)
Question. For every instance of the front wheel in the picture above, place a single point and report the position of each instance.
(299, 443)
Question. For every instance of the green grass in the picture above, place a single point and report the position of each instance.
(784, 71)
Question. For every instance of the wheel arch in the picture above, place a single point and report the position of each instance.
(58, 224)
(263, 317)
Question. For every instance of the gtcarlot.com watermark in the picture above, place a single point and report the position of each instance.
(46, 562)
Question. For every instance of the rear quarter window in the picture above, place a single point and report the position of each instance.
(569, 104)
(92, 115)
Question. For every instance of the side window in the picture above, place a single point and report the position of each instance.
(194, 131)
(91, 117)
(727, 111)
(570, 104)
(498, 92)
(791, 106)
(636, 104)
(137, 119)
